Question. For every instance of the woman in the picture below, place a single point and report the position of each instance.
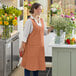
(32, 47)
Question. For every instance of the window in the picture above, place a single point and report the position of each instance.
(75, 5)
(21, 17)
(67, 5)
(20, 6)
(21, 3)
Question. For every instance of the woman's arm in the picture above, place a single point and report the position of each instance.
(47, 31)
(26, 31)
(50, 29)
(22, 46)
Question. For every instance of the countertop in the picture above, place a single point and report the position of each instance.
(62, 45)
(13, 34)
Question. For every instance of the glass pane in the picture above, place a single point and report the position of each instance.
(21, 3)
(21, 17)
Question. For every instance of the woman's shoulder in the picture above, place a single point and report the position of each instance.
(28, 21)
(41, 18)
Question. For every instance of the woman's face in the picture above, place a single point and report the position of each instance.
(38, 10)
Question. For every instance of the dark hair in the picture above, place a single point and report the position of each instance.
(28, 16)
(34, 6)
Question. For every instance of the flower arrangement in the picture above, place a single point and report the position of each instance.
(72, 22)
(10, 10)
(28, 4)
(64, 22)
(8, 19)
(59, 23)
(55, 8)
(70, 41)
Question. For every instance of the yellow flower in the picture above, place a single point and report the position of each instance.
(0, 22)
(14, 22)
(42, 10)
(5, 14)
(6, 23)
(11, 17)
(7, 18)
(0, 18)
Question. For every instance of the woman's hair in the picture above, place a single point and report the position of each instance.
(34, 6)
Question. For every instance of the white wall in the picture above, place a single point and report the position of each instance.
(44, 4)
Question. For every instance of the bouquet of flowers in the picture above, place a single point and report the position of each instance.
(59, 23)
(8, 19)
(71, 21)
(64, 22)
(8, 22)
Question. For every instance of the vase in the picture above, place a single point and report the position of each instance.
(60, 39)
(1, 30)
(57, 39)
(6, 32)
(11, 28)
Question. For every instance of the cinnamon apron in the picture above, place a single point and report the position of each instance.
(34, 55)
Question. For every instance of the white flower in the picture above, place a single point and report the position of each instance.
(53, 9)
(73, 18)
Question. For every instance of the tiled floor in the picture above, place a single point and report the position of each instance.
(20, 72)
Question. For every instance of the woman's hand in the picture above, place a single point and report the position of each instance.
(50, 29)
(22, 49)
(21, 52)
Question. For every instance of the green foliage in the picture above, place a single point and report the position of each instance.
(1, 11)
(10, 10)
(61, 23)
